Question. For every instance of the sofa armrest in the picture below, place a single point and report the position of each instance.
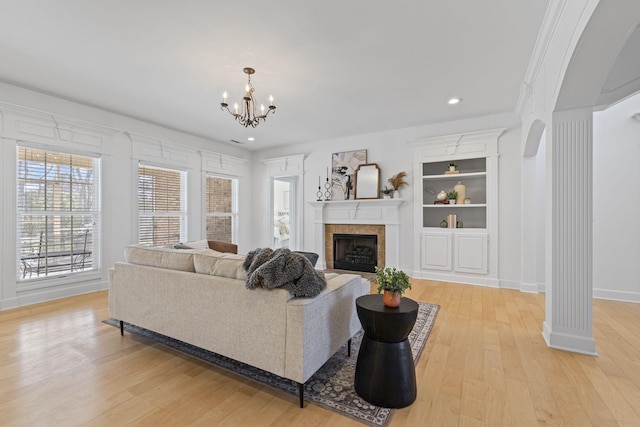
(219, 246)
(317, 327)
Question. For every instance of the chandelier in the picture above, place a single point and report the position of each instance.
(248, 117)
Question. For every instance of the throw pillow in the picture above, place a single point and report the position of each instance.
(198, 244)
(181, 246)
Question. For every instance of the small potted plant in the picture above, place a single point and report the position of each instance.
(452, 195)
(452, 167)
(393, 282)
(386, 192)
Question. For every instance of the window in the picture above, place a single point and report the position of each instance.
(222, 208)
(162, 206)
(58, 213)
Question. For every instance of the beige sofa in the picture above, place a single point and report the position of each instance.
(199, 297)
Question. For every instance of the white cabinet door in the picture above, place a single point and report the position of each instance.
(436, 251)
(470, 253)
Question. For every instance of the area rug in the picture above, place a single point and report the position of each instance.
(331, 387)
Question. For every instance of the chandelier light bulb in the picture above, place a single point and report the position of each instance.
(248, 116)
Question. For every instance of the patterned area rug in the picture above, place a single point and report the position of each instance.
(331, 387)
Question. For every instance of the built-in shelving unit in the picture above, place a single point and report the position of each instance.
(462, 253)
(473, 174)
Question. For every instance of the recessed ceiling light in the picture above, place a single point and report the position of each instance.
(251, 138)
(453, 101)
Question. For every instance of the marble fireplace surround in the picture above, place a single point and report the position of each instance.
(376, 216)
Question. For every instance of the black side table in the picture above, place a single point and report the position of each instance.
(385, 372)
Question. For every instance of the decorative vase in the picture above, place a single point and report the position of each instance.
(442, 195)
(461, 189)
(391, 299)
(396, 194)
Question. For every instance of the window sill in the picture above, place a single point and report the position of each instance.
(58, 280)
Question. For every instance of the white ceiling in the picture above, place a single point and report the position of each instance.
(335, 68)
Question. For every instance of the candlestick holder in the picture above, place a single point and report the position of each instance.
(327, 192)
(319, 194)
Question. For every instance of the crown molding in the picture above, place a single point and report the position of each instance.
(547, 31)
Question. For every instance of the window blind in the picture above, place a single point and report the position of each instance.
(58, 213)
(161, 205)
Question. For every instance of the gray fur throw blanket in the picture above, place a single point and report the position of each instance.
(268, 268)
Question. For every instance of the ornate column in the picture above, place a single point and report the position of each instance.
(569, 278)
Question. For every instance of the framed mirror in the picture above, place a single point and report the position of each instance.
(367, 181)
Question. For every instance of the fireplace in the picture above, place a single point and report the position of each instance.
(380, 217)
(356, 252)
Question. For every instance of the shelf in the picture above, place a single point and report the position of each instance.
(455, 176)
(472, 205)
(467, 230)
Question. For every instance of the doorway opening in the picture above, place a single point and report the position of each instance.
(284, 212)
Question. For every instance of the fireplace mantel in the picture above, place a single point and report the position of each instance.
(375, 211)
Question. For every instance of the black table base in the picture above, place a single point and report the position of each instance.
(385, 374)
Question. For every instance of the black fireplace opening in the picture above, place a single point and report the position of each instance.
(355, 252)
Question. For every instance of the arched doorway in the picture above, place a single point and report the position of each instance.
(575, 54)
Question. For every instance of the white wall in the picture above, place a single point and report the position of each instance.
(616, 202)
(509, 209)
(128, 140)
(393, 153)
(541, 156)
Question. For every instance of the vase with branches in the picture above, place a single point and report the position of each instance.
(397, 182)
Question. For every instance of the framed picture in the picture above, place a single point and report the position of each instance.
(343, 169)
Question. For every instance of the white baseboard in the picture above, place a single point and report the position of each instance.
(49, 294)
(512, 284)
(456, 278)
(9, 303)
(624, 296)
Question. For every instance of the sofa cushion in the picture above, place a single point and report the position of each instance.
(204, 261)
(221, 264)
(160, 257)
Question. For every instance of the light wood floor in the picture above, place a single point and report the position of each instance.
(485, 364)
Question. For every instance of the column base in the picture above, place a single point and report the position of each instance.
(568, 342)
